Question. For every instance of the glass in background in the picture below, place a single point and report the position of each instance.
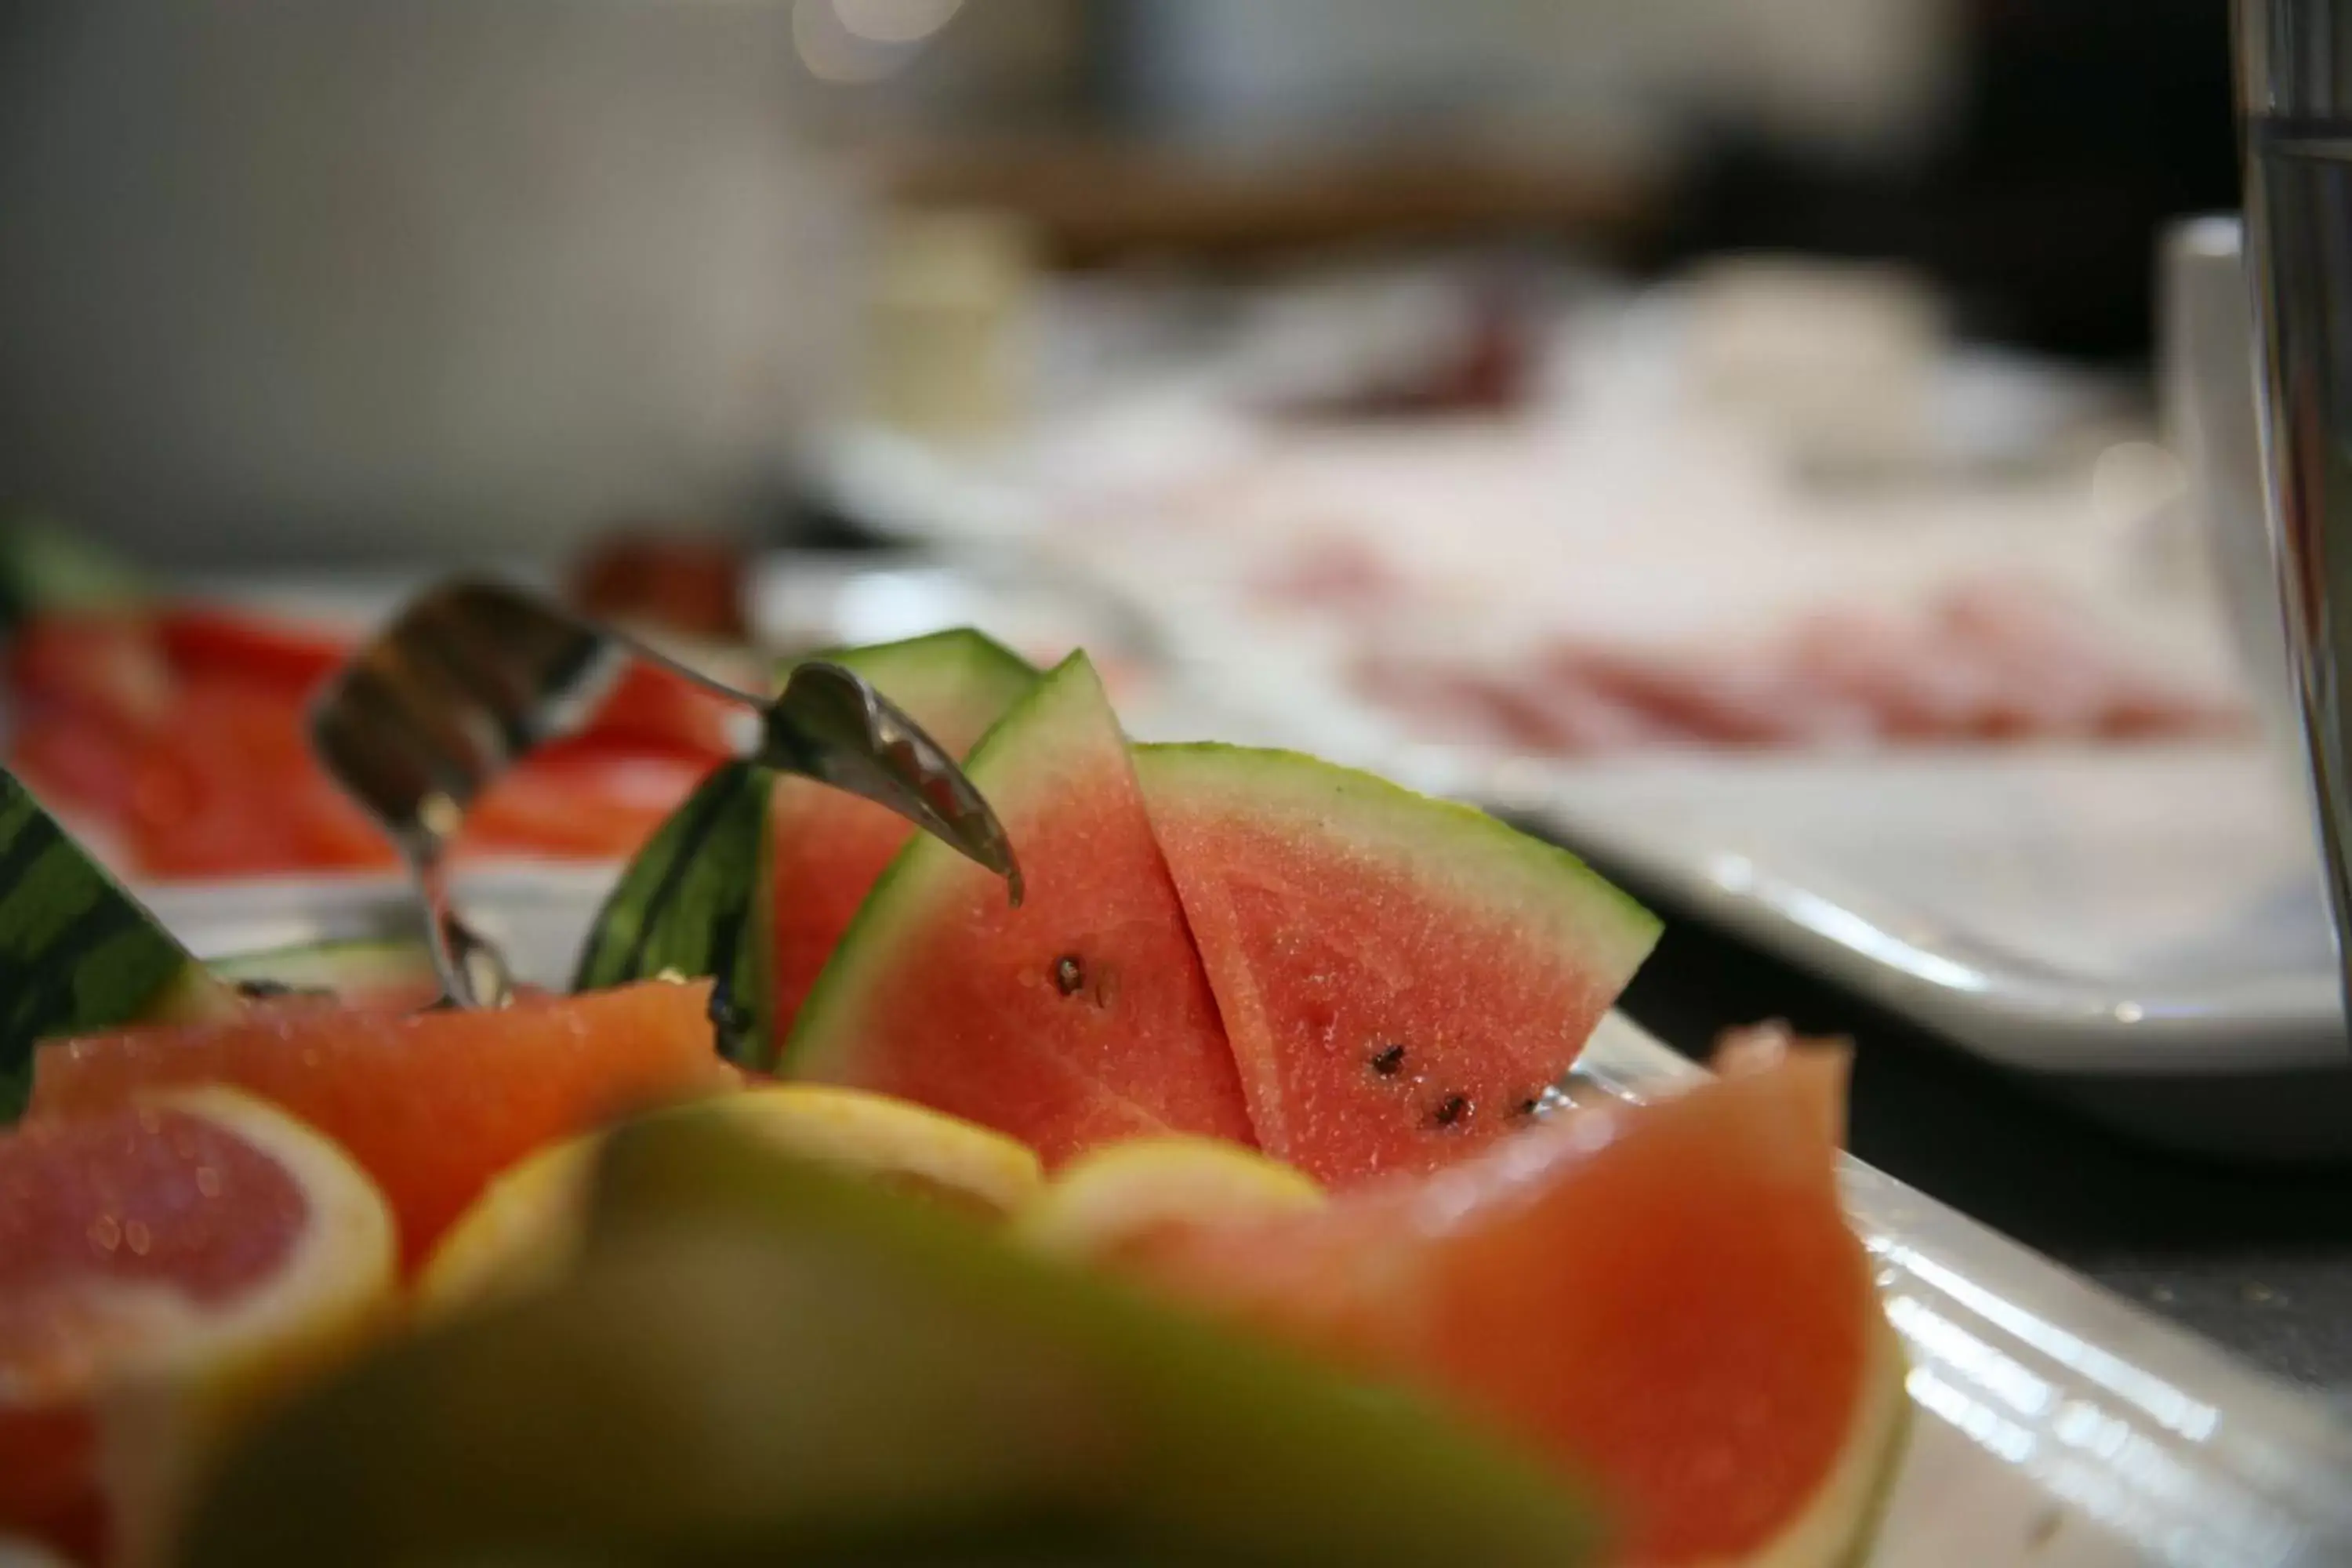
(2295, 63)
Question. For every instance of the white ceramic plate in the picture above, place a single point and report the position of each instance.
(2053, 1424)
(2143, 929)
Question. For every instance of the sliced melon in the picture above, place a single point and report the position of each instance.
(691, 905)
(357, 969)
(1400, 977)
(77, 951)
(1079, 1018)
(763, 1361)
(1118, 1201)
(526, 1229)
(753, 879)
(827, 848)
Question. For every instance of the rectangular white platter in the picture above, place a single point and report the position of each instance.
(2054, 1425)
(2138, 927)
(2141, 928)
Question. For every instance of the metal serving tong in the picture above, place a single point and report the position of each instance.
(472, 675)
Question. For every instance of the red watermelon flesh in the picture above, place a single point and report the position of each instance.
(826, 847)
(1079, 1018)
(1666, 1298)
(1400, 977)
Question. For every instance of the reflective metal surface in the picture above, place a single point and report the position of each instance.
(470, 676)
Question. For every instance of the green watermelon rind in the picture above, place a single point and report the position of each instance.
(78, 953)
(695, 900)
(897, 895)
(935, 661)
(1457, 851)
(687, 903)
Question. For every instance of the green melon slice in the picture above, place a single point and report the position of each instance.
(1400, 977)
(827, 848)
(1079, 1018)
(78, 953)
(760, 1361)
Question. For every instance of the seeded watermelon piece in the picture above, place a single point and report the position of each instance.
(827, 848)
(1400, 977)
(1079, 1018)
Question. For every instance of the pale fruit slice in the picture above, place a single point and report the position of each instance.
(759, 1361)
(1116, 1203)
(519, 1235)
(163, 1266)
(525, 1230)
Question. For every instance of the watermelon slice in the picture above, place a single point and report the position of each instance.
(754, 878)
(827, 848)
(1400, 977)
(1666, 1298)
(690, 904)
(77, 951)
(1078, 1018)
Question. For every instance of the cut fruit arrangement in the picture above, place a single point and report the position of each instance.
(1200, 1207)
(177, 733)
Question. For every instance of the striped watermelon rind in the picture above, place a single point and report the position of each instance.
(1459, 853)
(78, 953)
(1398, 977)
(1017, 746)
(696, 900)
(692, 904)
(957, 666)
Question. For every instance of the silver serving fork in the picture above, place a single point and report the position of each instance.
(471, 674)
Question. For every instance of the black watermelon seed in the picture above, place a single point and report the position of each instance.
(1069, 975)
(1388, 1061)
(1528, 1107)
(1451, 1110)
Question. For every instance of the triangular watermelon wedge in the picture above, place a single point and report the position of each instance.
(827, 847)
(753, 879)
(78, 953)
(1400, 977)
(1079, 1018)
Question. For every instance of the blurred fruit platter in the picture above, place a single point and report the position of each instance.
(1983, 664)
(1207, 1196)
(1609, 540)
(169, 728)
